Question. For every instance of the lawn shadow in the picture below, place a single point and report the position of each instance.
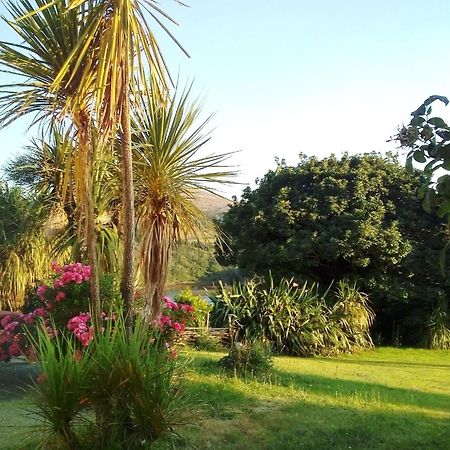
(16, 377)
(396, 364)
(235, 418)
(365, 391)
(304, 425)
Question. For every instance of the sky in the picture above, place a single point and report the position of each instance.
(295, 76)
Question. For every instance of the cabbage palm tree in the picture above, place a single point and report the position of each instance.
(51, 33)
(125, 49)
(169, 172)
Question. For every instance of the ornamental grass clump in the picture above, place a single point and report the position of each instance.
(61, 392)
(438, 327)
(134, 384)
(123, 387)
(296, 320)
(350, 319)
(249, 360)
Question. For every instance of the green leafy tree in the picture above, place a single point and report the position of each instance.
(357, 217)
(427, 139)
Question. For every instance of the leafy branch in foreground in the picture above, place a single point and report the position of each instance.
(427, 139)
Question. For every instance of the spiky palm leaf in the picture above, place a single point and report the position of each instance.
(169, 171)
(50, 35)
(126, 49)
(45, 170)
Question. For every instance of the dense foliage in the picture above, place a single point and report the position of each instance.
(358, 217)
(295, 320)
(427, 139)
(131, 381)
(192, 261)
(24, 252)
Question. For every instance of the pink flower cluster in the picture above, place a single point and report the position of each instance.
(174, 306)
(82, 328)
(71, 273)
(175, 316)
(13, 340)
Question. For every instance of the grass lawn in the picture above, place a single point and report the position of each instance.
(382, 399)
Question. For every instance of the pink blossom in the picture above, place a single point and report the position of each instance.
(165, 320)
(6, 320)
(14, 349)
(170, 303)
(187, 308)
(59, 296)
(39, 312)
(11, 326)
(41, 291)
(29, 318)
(177, 326)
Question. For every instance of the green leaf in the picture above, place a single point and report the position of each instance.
(444, 134)
(409, 165)
(428, 201)
(444, 209)
(433, 98)
(419, 156)
(437, 122)
(416, 121)
(420, 111)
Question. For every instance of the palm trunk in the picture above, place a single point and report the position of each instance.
(127, 284)
(86, 153)
(155, 258)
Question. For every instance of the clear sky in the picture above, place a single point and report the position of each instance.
(292, 76)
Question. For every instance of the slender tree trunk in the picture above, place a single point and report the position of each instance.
(155, 258)
(127, 284)
(86, 160)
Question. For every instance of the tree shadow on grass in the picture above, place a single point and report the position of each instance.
(15, 379)
(236, 419)
(396, 364)
(333, 386)
(365, 392)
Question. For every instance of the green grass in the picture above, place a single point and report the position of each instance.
(16, 419)
(382, 399)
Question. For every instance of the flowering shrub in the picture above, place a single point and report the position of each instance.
(175, 316)
(59, 302)
(13, 333)
(63, 305)
(67, 294)
(202, 307)
(82, 328)
(173, 321)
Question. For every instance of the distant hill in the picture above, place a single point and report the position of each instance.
(211, 204)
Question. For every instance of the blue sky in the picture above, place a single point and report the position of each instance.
(292, 76)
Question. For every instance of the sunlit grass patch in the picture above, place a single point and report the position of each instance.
(383, 399)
